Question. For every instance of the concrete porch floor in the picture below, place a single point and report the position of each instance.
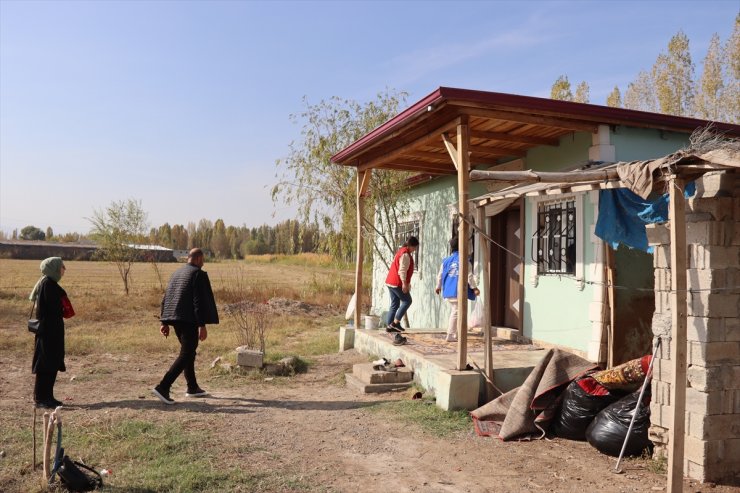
(433, 361)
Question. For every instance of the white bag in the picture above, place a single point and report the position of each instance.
(476, 315)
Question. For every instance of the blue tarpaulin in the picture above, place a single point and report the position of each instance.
(623, 215)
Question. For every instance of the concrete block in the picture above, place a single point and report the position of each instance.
(706, 379)
(726, 472)
(662, 257)
(714, 427)
(705, 403)
(718, 207)
(658, 234)
(732, 329)
(658, 434)
(508, 334)
(661, 416)
(709, 232)
(661, 393)
(663, 302)
(731, 402)
(346, 338)
(706, 278)
(374, 388)
(736, 208)
(249, 357)
(714, 184)
(709, 304)
(714, 353)
(703, 329)
(713, 256)
(662, 279)
(365, 372)
(694, 470)
(458, 390)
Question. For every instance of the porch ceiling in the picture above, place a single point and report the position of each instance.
(500, 126)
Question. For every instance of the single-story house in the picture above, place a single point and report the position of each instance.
(545, 273)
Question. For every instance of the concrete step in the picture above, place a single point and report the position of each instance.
(373, 388)
(365, 372)
(508, 334)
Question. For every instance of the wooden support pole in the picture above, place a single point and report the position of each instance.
(610, 263)
(530, 176)
(463, 182)
(363, 179)
(484, 264)
(677, 218)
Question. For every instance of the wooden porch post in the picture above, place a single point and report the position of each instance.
(677, 218)
(485, 262)
(363, 179)
(463, 181)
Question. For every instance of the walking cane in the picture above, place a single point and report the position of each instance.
(648, 376)
(34, 437)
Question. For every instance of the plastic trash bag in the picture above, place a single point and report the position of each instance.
(476, 315)
(609, 428)
(577, 410)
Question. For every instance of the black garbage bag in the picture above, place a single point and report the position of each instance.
(577, 410)
(609, 428)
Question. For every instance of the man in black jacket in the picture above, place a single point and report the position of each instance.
(188, 305)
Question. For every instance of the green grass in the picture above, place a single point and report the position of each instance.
(427, 416)
(148, 457)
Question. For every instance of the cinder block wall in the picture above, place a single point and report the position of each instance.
(712, 441)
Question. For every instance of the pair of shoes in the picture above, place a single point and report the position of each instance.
(394, 327)
(163, 395)
(196, 393)
(451, 339)
(385, 367)
(399, 340)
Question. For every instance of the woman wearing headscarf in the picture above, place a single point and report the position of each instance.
(48, 353)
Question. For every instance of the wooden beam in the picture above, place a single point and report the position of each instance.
(413, 165)
(427, 155)
(450, 150)
(463, 182)
(519, 139)
(363, 179)
(499, 151)
(677, 218)
(545, 121)
(610, 263)
(376, 161)
(485, 265)
(529, 176)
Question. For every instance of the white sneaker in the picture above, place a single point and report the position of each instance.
(451, 339)
(198, 393)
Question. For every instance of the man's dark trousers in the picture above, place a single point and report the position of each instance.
(187, 334)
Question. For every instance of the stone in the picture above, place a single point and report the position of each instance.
(346, 338)
(249, 357)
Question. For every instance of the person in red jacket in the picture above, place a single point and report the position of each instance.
(398, 281)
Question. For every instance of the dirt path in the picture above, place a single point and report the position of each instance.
(313, 428)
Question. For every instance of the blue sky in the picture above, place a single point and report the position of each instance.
(185, 105)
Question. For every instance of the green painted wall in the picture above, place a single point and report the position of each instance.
(634, 144)
(432, 199)
(556, 310)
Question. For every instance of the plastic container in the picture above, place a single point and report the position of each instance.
(371, 322)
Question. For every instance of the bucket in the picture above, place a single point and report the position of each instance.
(371, 322)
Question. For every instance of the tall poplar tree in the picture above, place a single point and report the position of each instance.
(710, 93)
(561, 89)
(614, 99)
(673, 75)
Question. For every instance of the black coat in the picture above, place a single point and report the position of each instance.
(189, 298)
(48, 351)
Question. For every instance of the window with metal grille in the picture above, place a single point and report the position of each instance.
(556, 238)
(406, 229)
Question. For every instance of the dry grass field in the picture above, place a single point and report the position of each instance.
(255, 433)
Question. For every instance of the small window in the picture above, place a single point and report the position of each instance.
(406, 229)
(556, 238)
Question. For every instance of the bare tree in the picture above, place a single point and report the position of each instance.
(117, 229)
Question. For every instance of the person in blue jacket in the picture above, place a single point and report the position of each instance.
(447, 285)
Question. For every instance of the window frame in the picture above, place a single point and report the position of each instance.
(539, 206)
(416, 219)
